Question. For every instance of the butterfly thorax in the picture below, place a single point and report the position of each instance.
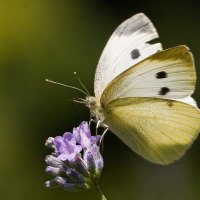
(96, 111)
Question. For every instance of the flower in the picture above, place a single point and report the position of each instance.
(83, 135)
(66, 147)
(76, 162)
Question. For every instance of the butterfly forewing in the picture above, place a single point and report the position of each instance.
(168, 74)
(127, 46)
(159, 130)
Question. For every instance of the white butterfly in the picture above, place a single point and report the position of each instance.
(143, 94)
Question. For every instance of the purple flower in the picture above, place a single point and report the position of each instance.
(76, 162)
(83, 136)
(66, 147)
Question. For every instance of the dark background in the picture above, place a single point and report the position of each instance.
(42, 39)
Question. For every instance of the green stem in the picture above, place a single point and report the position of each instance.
(98, 189)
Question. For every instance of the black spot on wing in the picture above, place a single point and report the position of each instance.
(135, 54)
(161, 74)
(164, 91)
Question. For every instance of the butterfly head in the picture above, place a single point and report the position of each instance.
(91, 102)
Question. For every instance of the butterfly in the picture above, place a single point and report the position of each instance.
(143, 93)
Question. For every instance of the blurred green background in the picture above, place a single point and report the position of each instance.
(42, 39)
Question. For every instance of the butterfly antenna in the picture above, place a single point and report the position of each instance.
(69, 86)
(79, 80)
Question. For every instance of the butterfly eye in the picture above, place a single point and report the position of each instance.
(135, 53)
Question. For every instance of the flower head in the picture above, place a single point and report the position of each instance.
(76, 162)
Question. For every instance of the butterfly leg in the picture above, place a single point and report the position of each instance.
(97, 126)
(91, 119)
(101, 143)
(103, 134)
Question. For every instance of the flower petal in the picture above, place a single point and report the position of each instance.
(59, 144)
(76, 135)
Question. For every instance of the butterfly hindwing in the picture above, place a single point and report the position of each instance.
(168, 74)
(127, 46)
(159, 130)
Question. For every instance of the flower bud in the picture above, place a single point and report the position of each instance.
(54, 171)
(54, 161)
(93, 160)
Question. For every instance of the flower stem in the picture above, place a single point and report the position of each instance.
(98, 189)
